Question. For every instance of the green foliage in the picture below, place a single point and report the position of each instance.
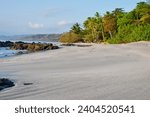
(93, 28)
(110, 23)
(145, 19)
(132, 33)
(70, 37)
(114, 27)
(134, 25)
(76, 28)
(127, 18)
(118, 11)
(142, 9)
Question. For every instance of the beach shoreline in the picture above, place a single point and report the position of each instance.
(13, 48)
(100, 71)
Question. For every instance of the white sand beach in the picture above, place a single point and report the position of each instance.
(98, 72)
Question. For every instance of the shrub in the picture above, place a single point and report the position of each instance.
(131, 33)
(70, 37)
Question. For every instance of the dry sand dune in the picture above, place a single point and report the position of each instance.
(96, 72)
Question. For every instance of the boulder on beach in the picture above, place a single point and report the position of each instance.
(6, 83)
(67, 44)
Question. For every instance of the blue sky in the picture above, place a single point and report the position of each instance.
(52, 16)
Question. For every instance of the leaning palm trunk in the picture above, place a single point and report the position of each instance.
(110, 34)
(103, 35)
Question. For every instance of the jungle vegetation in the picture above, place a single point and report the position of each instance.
(115, 27)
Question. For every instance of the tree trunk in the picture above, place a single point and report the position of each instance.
(110, 34)
(103, 35)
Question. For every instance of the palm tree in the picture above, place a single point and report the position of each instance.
(118, 11)
(110, 22)
(76, 28)
(94, 27)
(101, 27)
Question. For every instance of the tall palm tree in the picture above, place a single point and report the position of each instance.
(94, 27)
(118, 11)
(76, 28)
(100, 25)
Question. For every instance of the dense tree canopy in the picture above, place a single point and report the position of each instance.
(110, 23)
(116, 26)
(93, 28)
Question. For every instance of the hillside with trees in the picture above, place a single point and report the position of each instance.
(32, 37)
(115, 26)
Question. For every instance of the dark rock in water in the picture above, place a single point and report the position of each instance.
(27, 83)
(6, 44)
(31, 47)
(20, 42)
(6, 83)
(55, 47)
(19, 46)
(20, 53)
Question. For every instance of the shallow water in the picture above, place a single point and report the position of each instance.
(6, 52)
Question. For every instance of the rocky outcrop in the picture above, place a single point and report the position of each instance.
(6, 44)
(31, 47)
(5, 83)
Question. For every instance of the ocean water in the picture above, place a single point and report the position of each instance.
(6, 52)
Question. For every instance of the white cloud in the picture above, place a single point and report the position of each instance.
(64, 23)
(35, 25)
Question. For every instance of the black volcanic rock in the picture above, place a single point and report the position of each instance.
(6, 44)
(31, 47)
(5, 83)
